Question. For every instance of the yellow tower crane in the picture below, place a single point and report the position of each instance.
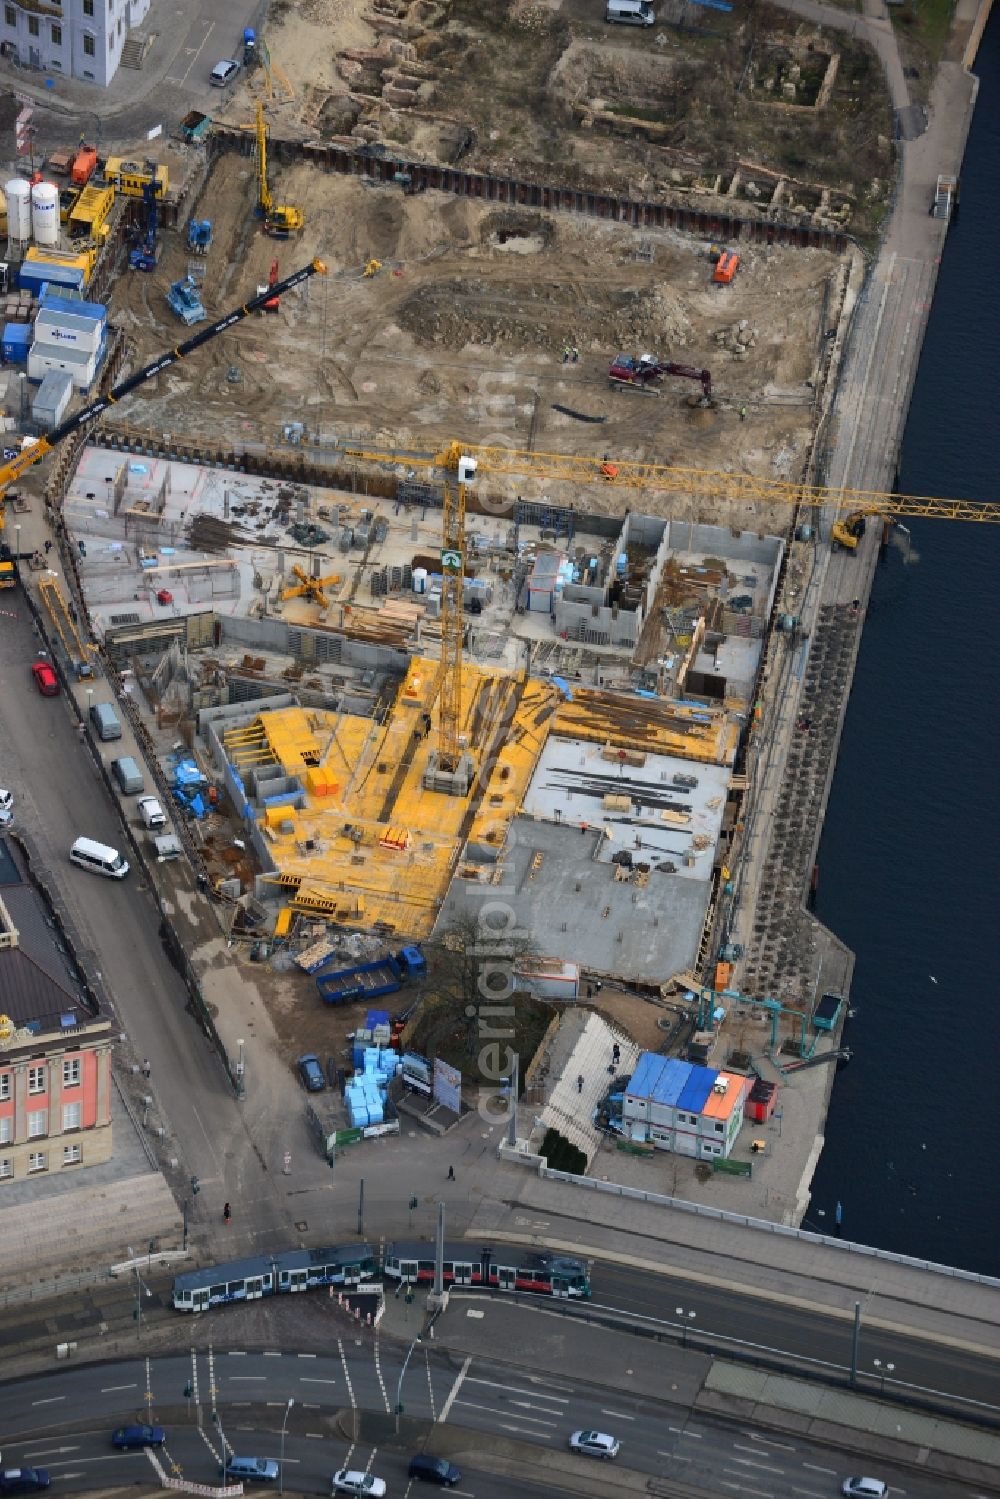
(280, 219)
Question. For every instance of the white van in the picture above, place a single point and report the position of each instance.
(630, 12)
(99, 858)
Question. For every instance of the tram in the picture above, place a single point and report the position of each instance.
(503, 1269)
(274, 1275)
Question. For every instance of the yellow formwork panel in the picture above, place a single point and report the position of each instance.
(514, 765)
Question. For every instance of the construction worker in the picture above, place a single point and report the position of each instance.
(743, 413)
(567, 354)
(575, 355)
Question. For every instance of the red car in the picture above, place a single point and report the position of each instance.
(45, 679)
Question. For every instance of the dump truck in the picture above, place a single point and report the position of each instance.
(371, 980)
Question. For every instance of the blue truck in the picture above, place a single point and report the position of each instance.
(371, 980)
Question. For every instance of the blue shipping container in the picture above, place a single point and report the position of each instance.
(16, 341)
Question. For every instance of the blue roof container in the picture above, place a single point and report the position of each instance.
(672, 1082)
(698, 1090)
(644, 1078)
(33, 274)
(53, 302)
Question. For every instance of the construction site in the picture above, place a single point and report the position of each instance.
(448, 546)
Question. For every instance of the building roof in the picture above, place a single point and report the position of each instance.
(697, 1090)
(721, 1105)
(40, 987)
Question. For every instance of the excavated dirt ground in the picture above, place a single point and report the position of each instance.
(461, 334)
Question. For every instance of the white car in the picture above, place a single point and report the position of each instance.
(864, 1488)
(351, 1481)
(6, 800)
(151, 812)
(594, 1444)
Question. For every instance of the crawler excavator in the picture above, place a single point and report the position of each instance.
(646, 373)
(281, 220)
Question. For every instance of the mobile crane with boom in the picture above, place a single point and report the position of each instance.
(11, 471)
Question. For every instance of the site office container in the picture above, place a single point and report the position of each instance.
(16, 342)
(68, 330)
(83, 258)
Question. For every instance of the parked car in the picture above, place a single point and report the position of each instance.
(151, 812)
(27, 1480)
(251, 1469)
(311, 1072)
(434, 1470)
(6, 809)
(865, 1488)
(224, 72)
(350, 1481)
(594, 1444)
(45, 679)
(127, 1437)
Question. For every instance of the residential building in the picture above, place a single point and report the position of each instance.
(55, 1044)
(78, 38)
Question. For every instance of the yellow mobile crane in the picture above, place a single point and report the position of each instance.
(11, 471)
(280, 219)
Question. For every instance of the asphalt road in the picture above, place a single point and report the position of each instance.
(812, 1337)
(63, 1422)
(59, 795)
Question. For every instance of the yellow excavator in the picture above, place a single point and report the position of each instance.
(848, 531)
(281, 220)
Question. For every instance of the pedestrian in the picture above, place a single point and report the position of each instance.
(146, 1069)
(598, 986)
(81, 729)
(579, 1083)
(743, 413)
(451, 1173)
(227, 1213)
(566, 354)
(48, 547)
(575, 354)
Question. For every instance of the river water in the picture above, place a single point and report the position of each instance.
(908, 859)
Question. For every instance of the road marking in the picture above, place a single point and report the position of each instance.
(305, 1379)
(109, 1389)
(247, 1378)
(113, 1456)
(815, 1468)
(749, 1463)
(52, 1400)
(46, 1452)
(516, 1390)
(378, 1371)
(758, 1493)
(696, 1436)
(317, 1436)
(273, 1353)
(618, 1415)
(492, 1411)
(768, 1442)
(306, 1355)
(347, 1374)
(430, 1384)
(236, 1352)
(453, 1392)
(536, 1436)
(675, 1457)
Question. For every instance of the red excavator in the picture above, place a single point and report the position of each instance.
(646, 373)
(273, 303)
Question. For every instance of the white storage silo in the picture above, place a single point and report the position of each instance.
(420, 580)
(19, 209)
(45, 213)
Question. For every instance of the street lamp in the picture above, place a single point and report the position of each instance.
(402, 1372)
(281, 1466)
(690, 1316)
(885, 1371)
(140, 1286)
